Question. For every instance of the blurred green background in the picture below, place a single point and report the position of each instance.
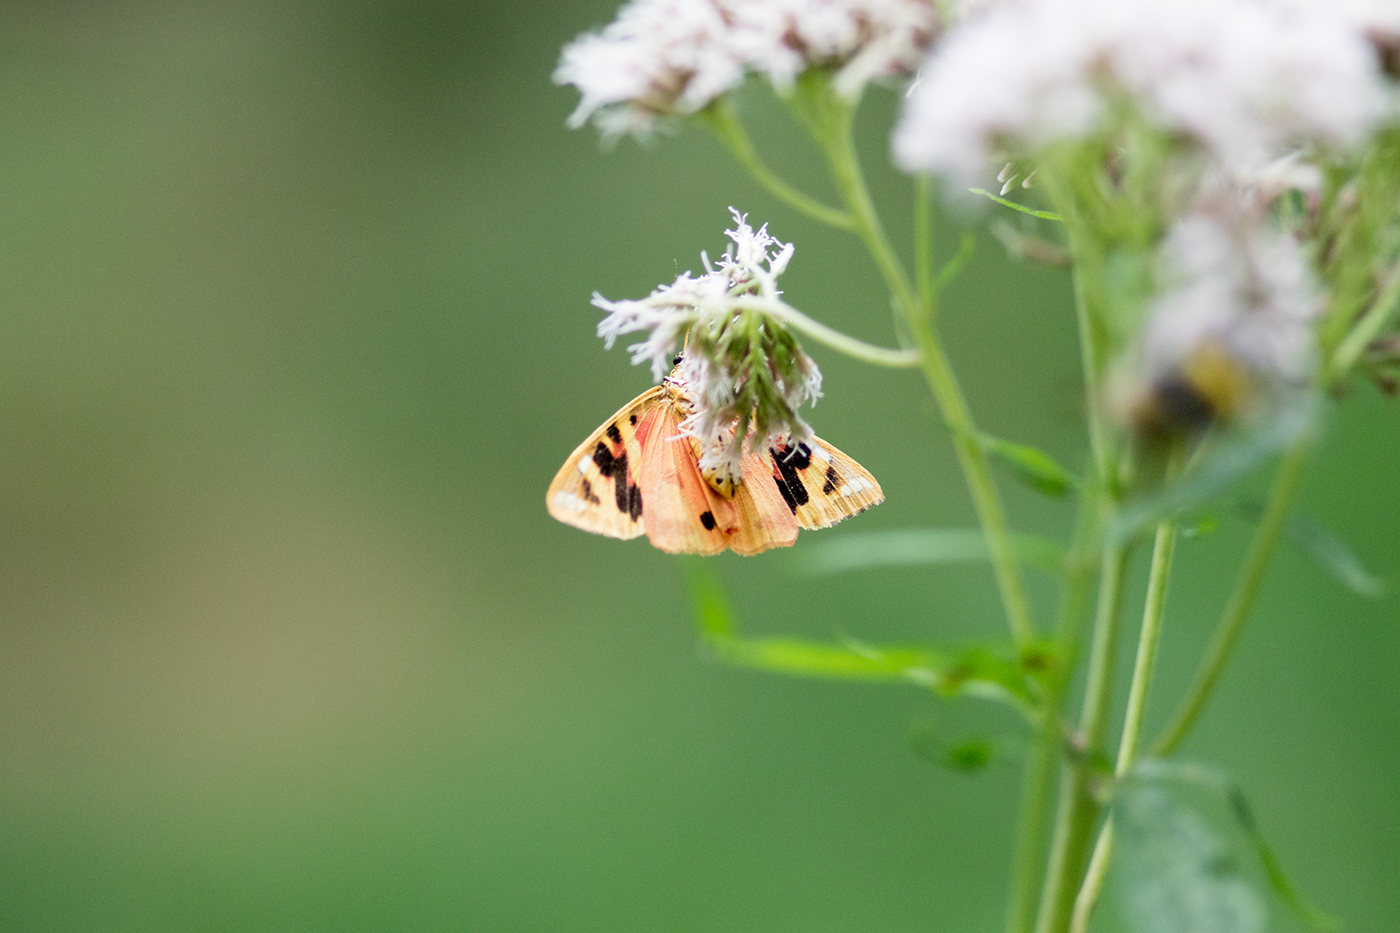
(294, 332)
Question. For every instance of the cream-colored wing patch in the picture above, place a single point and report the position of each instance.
(820, 484)
(596, 488)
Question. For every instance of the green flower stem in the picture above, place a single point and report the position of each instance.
(1079, 805)
(1038, 784)
(724, 123)
(1091, 310)
(1149, 638)
(923, 243)
(829, 120)
(858, 349)
(1369, 327)
(1251, 577)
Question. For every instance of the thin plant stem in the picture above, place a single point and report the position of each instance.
(1079, 805)
(725, 124)
(923, 243)
(852, 347)
(1247, 584)
(1038, 783)
(1149, 638)
(1369, 327)
(829, 120)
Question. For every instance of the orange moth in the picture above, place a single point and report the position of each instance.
(637, 473)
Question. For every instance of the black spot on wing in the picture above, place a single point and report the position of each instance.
(832, 481)
(588, 493)
(788, 461)
(614, 434)
(627, 496)
(707, 519)
(632, 419)
(785, 493)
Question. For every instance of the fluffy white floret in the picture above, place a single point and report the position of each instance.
(1245, 79)
(673, 57)
(1248, 292)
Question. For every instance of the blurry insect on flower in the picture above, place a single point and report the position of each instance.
(717, 456)
(1229, 335)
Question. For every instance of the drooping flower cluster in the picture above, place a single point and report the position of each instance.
(1230, 326)
(663, 58)
(1245, 80)
(744, 372)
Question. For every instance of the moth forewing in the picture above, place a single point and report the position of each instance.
(596, 488)
(683, 514)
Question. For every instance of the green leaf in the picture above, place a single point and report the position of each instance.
(993, 671)
(1043, 215)
(967, 755)
(1175, 872)
(1032, 466)
(1230, 462)
(707, 598)
(906, 547)
(1332, 555)
(1160, 775)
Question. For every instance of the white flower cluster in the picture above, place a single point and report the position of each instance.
(664, 58)
(1245, 79)
(750, 266)
(742, 370)
(1247, 292)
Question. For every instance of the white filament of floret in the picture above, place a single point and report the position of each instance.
(750, 266)
(1245, 79)
(1248, 292)
(748, 271)
(658, 57)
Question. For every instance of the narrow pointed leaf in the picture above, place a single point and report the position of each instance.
(1231, 461)
(992, 671)
(1332, 555)
(1032, 466)
(1043, 215)
(905, 547)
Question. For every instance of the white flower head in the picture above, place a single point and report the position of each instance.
(1237, 307)
(1244, 79)
(1250, 292)
(744, 373)
(659, 58)
(663, 58)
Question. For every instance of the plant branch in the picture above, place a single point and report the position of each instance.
(923, 243)
(1369, 327)
(1149, 638)
(724, 123)
(823, 334)
(1038, 784)
(829, 119)
(1251, 577)
(1079, 803)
